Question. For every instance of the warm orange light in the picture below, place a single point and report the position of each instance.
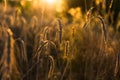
(57, 5)
(50, 1)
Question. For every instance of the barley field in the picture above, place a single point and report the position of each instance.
(59, 39)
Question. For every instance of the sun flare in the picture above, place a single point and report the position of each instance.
(50, 1)
(57, 5)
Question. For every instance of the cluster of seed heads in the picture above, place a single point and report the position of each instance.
(6, 59)
(103, 25)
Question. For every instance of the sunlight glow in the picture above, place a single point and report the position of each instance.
(56, 5)
(50, 1)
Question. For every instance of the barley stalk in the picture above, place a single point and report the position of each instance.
(39, 55)
(103, 26)
(45, 33)
(60, 30)
(52, 66)
(73, 32)
(8, 52)
(89, 13)
(67, 48)
(22, 49)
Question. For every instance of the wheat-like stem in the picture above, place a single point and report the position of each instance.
(52, 66)
(5, 5)
(60, 30)
(39, 56)
(65, 69)
(116, 70)
(45, 33)
(103, 25)
(7, 54)
(73, 32)
(67, 48)
(22, 49)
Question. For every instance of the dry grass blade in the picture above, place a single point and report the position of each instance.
(117, 65)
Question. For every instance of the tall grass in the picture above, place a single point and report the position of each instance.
(35, 49)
